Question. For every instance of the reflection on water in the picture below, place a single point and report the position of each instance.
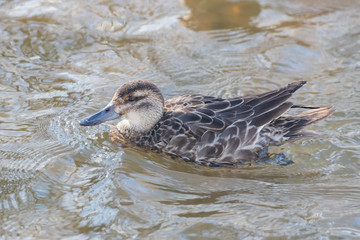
(219, 14)
(61, 61)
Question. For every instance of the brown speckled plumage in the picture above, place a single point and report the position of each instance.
(208, 130)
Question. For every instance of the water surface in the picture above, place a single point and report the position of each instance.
(62, 60)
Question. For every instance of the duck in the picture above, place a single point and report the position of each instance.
(207, 130)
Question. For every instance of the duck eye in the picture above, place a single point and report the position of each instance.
(131, 99)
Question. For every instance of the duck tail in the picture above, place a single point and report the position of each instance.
(292, 125)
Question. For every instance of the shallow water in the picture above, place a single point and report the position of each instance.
(62, 60)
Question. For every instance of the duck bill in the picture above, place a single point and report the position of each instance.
(104, 115)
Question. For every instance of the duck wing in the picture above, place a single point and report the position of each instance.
(261, 109)
(194, 113)
(204, 113)
(226, 131)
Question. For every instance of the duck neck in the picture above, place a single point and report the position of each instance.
(138, 122)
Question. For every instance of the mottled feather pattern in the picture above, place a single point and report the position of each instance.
(214, 131)
(236, 144)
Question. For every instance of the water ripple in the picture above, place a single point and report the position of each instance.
(64, 61)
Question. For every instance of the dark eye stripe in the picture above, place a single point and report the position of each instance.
(134, 99)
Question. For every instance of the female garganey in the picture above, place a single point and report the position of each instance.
(207, 130)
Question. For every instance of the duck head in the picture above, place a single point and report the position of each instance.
(138, 103)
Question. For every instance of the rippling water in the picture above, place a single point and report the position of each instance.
(62, 60)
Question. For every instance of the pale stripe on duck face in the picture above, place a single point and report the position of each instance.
(140, 107)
